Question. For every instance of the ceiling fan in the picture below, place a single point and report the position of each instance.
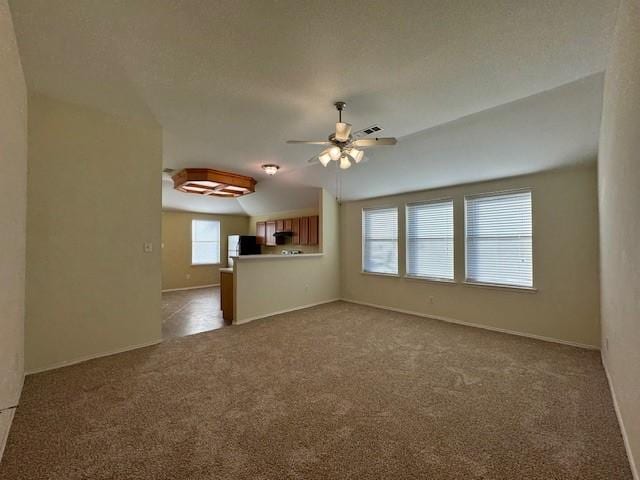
(344, 146)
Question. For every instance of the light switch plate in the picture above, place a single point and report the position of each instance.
(148, 247)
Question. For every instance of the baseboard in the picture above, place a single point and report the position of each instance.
(92, 357)
(625, 437)
(8, 413)
(476, 325)
(301, 307)
(190, 288)
(4, 434)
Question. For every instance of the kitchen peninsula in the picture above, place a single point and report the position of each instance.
(227, 279)
(272, 283)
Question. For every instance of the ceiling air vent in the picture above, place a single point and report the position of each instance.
(373, 129)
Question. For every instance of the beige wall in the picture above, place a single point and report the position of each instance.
(268, 285)
(288, 214)
(94, 200)
(619, 192)
(565, 226)
(177, 271)
(13, 208)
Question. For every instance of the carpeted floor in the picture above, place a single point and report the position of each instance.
(336, 391)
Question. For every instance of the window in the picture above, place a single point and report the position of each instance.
(380, 240)
(430, 240)
(499, 239)
(205, 242)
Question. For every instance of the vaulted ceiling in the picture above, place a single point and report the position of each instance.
(474, 90)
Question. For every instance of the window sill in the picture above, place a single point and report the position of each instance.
(392, 275)
(206, 264)
(444, 281)
(497, 286)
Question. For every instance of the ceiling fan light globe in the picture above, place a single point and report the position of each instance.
(334, 152)
(357, 155)
(324, 158)
(344, 163)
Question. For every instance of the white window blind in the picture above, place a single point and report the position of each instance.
(499, 239)
(205, 242)
(430, 240)
(380, 240)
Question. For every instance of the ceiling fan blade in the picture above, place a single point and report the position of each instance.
(313, 159)
(311, 142)
(373, 142)
(343, 130)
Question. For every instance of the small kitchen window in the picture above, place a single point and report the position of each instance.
(205, 242)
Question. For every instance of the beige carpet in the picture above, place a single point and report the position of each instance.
(337, 391)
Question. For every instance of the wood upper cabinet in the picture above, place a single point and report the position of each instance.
(295, 228)
(313, 230)
(304, 231)
(261, 232)
(270, 230)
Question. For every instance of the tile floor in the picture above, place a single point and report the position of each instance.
(186, 312)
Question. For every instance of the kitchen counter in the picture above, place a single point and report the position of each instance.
(243, 258)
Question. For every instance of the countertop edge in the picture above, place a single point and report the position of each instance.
(244, 258)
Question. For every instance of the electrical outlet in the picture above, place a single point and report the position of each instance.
(430, 300)
(188, 275)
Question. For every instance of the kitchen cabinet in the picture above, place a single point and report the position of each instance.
(295, 229)
(304, 230)
(270, 240)
(313, 230)
(261, 232)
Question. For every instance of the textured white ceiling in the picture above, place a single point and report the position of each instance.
(230, 81)
(553, 129)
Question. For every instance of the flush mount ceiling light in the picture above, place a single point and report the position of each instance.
(344, 146)
(270, 168)
(205, 181)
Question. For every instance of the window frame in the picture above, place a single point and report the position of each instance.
(406, 240)
(219, 242)
(363, 239)
(500, 286)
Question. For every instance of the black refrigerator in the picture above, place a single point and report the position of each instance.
(241, 245)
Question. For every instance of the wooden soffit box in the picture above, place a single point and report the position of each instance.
(205, 181)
